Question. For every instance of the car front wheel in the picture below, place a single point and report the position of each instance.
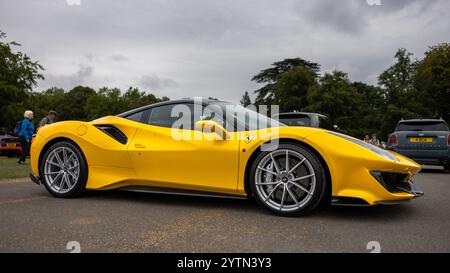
(64, 170)
(288, 181)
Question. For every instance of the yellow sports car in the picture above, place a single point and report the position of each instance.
(210, 147)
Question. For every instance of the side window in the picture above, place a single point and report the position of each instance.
(167, 115)
(136, 116)
(215, 113)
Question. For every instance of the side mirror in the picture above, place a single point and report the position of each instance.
(210, 126)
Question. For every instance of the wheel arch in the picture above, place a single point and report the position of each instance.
(53, 141)
(328, 186)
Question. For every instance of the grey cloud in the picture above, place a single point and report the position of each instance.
(352, 16)
(118, 57)
(213, 48)
(81, 76)
(339, 15)
(154, 82)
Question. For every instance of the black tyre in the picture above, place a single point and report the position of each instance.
(293, 186)
(63, 170)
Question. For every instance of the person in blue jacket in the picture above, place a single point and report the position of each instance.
(25, 135)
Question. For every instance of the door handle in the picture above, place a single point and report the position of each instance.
(137, 145)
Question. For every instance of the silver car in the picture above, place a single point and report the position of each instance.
(303, 119)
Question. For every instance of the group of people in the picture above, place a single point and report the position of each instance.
(372, 140)
(25, 131)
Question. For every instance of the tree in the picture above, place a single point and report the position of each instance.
(246, 101)
(402, 99)
(41, 102)
(336, 97)
(270, 76)
(432, 80)
(397, 80)
(75, 106)
(370, 116)
(105, 102)
(18, 75)
(292, 87)
(134, 98)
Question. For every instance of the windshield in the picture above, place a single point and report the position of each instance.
(239, 118)
(422, 126)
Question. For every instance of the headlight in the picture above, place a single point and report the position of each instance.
(383, 153)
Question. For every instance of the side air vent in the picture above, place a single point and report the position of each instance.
(393, 182)
(113, 132)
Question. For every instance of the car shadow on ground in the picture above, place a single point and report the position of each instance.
(356, 213)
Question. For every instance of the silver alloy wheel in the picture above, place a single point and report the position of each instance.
(285, 180)
(61, 169)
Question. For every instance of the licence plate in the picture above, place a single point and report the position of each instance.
(11, 145)
(421, 139)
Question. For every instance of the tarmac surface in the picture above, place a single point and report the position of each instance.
(117, 221)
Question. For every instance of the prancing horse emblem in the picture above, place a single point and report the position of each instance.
(248, 138)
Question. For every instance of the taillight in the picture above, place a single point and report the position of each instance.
(448, 140)
(393, 140)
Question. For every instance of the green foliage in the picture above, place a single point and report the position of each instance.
(397, 80)
(292, 87)
(433, 79)
(270, 76)
(246, 101)
(18, 75)
(370, 111)
(336, 97)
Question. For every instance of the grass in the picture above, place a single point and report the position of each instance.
(10, 169)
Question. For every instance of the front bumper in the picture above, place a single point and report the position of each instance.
(35, 178)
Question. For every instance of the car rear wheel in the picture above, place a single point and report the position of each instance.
(289, 181)
(64, 170)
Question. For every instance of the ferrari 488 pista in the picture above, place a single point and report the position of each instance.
(210, 147)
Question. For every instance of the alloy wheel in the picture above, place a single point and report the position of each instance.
(61, 170)
(285, 180)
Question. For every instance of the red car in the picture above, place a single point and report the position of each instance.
(10, 146)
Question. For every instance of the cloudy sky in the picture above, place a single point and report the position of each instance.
(185, 48)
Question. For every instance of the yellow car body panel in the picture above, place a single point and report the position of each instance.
(153, 157)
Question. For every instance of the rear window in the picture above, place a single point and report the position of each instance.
(295, 120)
(422, 126)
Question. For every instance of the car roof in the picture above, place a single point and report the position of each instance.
(168, 102)
(299, 113)
(421, 120)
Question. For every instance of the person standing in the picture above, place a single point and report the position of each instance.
(48, 119)
(374, 140)
(366, 139)
(25, 135)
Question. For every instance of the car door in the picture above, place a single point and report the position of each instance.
(162, 160)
